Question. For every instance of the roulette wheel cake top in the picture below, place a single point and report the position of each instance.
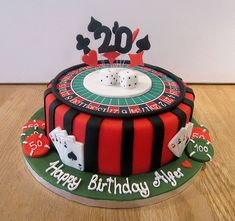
(114, 132)
(161, 92)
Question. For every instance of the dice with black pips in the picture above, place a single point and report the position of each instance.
(108, 76)
(128, 79)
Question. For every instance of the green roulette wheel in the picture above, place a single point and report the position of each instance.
(165, 93)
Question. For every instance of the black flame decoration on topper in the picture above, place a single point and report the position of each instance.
(112, 51)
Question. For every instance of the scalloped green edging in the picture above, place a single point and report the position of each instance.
(39, 166)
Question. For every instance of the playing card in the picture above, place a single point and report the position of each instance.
(78, 149)
(177, 143)
(56, 136)
(70, 151)
(55, 140)
(71, 138)
(73, 153)
(52, 134)
(189, 129)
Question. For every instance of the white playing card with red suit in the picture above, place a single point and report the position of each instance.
(70, 151)
(177, 142)
(56, 136)
(189, 129)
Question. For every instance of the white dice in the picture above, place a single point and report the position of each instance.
(128, 79)
(124, 78)
(108, 76)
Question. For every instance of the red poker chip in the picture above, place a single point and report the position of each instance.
(35, 124)
(36, 145)
(200, 133)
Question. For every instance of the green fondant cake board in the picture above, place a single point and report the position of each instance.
(166, 189)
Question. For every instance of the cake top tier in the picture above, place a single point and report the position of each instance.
(157, 91)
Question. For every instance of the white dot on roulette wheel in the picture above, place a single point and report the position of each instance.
(92, 83)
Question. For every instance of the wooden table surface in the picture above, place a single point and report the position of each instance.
(210, 197)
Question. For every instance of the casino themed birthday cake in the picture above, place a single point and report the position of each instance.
(115, 131)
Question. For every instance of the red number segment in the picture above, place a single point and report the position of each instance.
(93, 106)
(170, 91)
(77, 100)
(113, 109)
(63, 85)
(36, 145)
(134, 109)
(153, 106)
(200, 133)
(66, 93)
(166, 99)
(34, 124)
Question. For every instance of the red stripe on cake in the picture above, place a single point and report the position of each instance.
(48, 101)
(142, 146)
(171, 124)
(110, 143)
(186, 109)
(189, 96)
(79, 126)
(59, 115)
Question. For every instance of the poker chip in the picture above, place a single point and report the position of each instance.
(36, 145)
(34, 124)
(200, 150)
(30, 131)
(201, 133)
(204, 128)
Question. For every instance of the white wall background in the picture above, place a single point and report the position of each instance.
(193, 39)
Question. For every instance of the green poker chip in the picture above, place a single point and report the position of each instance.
(29, 132)
(200, 150)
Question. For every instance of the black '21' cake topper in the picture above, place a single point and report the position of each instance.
(111, 52)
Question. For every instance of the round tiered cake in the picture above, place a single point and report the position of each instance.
(115, 133)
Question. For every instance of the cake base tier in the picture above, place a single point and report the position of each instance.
(112, 191)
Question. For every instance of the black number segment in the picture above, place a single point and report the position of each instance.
(105, 47)
(118, 40)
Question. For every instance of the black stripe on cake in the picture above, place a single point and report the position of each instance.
(46, 93)
(68, 120)
(52, 109)
(127, 147)
(181, 117)
(91, 145)
(157, 145)
(190, 90)
(190, 104)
